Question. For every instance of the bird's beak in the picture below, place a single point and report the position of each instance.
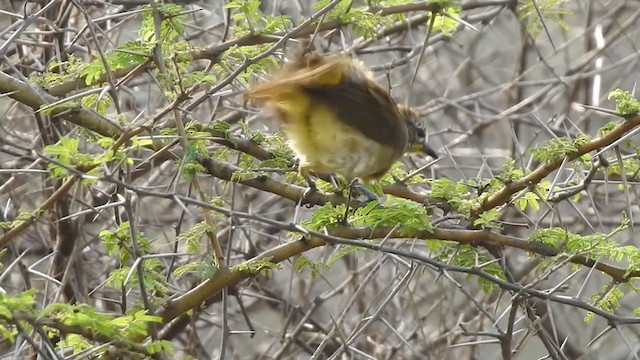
(424, 148)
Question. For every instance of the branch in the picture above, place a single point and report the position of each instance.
(345, 235)
(36, 98)
(307, 28)
(85, 332)
(228, 172)
(35, 215)
(482, 237)
(504, 196)
(195, 297)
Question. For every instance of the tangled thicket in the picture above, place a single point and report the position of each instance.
(149, 211)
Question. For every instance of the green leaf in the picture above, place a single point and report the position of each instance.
(607, 302)
(171, 25)
(408, 215)
(65, 149)
(558, 148)
(488, 219)
(535, 12)
(204, 269)
(510, 172)
(93, 71)
(626, 104)
(254, 267)
(316, 267)
(325, 217)
(343, 250)
(446, 189)
(529, 198)
(192, 236)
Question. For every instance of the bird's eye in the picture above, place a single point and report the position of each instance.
(419, 128)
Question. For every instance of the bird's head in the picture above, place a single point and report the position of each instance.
(416, 140)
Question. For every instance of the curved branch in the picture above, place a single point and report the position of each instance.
(195, 297)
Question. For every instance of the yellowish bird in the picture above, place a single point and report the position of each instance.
(338, 119)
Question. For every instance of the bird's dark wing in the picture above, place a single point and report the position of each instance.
(365, 106)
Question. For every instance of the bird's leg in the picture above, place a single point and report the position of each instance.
(306, 196)
(346, 210)
(335, 181)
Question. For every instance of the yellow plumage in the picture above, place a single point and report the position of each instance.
(337, 118)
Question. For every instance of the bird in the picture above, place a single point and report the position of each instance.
(338, 119)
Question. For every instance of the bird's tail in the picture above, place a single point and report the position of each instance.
(307, 72)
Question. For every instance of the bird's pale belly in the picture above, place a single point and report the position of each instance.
(326, 145)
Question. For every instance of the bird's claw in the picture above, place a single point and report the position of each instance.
(397, 180)
(307, 195)
(368, 201)
(371, 196)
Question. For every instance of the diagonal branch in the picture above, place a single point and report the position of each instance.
(504, 196)
(36, 98)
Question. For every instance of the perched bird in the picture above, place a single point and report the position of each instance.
(338, 119)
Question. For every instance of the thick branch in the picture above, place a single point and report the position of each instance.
(344, 235)
(36, 98)
(481, 237)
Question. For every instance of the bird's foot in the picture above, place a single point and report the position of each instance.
(354, 185)
(371, 196)
(398, 181)
(307, 195)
